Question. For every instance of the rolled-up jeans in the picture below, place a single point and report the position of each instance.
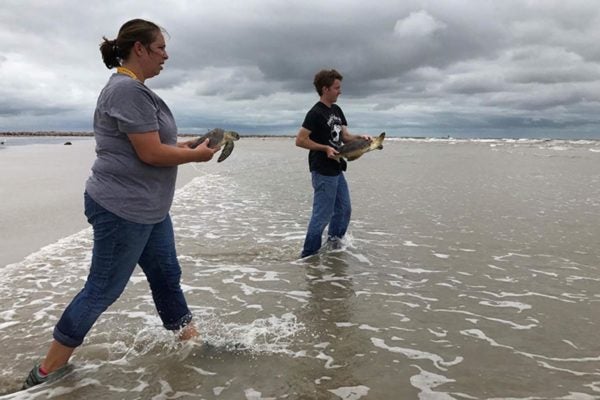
(118, 246)
(331, 206)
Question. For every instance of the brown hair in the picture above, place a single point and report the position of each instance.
(325, 78)
(115, 51)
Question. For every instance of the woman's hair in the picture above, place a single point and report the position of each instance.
(325, 78)
(115, 51)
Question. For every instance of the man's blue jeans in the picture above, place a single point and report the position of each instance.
(118, 246)
(331, 205)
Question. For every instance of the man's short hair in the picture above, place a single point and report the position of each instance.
(325, 78)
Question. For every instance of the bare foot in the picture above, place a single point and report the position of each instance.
(188, 332)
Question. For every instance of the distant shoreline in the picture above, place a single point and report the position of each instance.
(275, 136)
(46, 133)
(91, 134)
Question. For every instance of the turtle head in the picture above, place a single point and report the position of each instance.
(233, 135)
(378, 141)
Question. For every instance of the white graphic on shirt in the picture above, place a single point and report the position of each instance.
(335, 125)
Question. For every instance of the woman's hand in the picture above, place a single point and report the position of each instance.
(203, 152)
(150, 150)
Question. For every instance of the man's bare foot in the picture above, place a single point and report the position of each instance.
(188, 332)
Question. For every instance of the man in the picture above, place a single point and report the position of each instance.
(323, 132)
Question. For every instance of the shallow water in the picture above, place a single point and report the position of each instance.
(470, 272)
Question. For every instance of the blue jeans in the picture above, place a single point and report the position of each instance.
(331, 205)
(118, 246)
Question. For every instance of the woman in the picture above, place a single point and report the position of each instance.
(128, 196)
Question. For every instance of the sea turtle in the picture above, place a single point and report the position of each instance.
(218, 137)
(356, 148)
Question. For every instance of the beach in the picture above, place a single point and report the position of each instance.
(41, 186)
(470, 271)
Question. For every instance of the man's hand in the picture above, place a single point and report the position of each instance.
(331, 152)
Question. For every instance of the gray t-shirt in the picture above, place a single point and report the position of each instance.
(121, 182)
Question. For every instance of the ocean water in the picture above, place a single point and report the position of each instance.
(470, 271)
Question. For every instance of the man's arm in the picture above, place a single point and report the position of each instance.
(348, 137)
(303, 140)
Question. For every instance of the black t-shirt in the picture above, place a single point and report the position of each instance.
(325, 126)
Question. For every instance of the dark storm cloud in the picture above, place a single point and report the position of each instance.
(427, 66)
(288, 44)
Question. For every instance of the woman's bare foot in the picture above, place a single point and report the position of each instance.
(188, 332)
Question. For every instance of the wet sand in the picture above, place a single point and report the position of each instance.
(41, 187)
(469, 271)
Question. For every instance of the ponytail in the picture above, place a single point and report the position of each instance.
(110, 53)
(115, 51)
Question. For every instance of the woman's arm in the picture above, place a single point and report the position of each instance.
(150, 150)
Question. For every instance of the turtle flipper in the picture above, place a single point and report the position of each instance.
(227, 149)
(352, 158)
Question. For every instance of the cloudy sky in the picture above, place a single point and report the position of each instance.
(464, 68)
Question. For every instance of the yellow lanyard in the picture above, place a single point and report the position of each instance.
(128, 72)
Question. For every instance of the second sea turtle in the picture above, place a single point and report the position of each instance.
(356, 148)
(217, 138)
